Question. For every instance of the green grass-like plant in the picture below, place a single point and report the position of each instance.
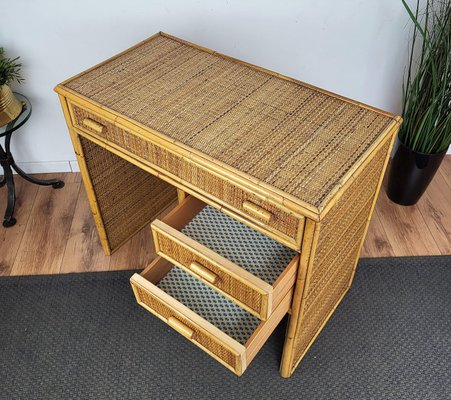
(427, 85)
(9, 69)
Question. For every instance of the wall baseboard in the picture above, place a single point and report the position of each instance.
(74, 166)
(44, 167)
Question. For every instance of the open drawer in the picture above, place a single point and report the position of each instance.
(220, 327)
(239, 262)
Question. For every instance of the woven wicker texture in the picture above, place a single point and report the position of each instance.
(290, 136)
(120, 185)
(189, 172)
(210, 305)
(338, 245)
(201, 337)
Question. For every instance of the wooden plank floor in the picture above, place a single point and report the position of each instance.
(55, 232)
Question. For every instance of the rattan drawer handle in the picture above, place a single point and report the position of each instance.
(257, 211)
(203, 272)
(180, 327)
(94, 125)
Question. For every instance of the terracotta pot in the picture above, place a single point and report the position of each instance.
(410, 174)
(10, 107)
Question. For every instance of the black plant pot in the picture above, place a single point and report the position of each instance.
(410, 174)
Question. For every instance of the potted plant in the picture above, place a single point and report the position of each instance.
(425, 135)
(10, 107)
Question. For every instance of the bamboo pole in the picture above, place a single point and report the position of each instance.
(98, 220)
(309, 242)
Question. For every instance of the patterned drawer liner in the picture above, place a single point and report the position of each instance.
(246, 247)
(210, 305)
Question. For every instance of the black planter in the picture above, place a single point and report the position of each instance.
(410, 174)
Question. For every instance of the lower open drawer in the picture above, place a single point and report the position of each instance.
(227, 332)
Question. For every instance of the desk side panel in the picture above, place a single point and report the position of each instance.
(332, 248)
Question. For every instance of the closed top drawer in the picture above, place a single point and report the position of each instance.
(210, 321)
(249, 268)
(238, 201)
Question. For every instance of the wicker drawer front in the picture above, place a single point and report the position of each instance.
(255, 210)
(244, 265)
(219, 327)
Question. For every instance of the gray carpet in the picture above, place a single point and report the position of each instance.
(83, 337)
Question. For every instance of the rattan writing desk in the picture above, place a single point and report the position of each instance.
(264, 160)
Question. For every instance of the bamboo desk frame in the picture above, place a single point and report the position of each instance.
(321, 209)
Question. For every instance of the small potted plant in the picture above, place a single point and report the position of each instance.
(10, 107)
(425, 135)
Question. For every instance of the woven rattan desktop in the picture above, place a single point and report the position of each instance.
(294, 162)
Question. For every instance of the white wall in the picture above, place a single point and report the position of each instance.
(357, 48)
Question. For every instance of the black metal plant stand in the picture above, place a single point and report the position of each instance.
(8, 163)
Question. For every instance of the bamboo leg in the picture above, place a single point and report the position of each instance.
(307, 254)
(181, 195)
(86, 180)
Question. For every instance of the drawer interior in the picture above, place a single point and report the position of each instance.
(244, 246)
(217, 325)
